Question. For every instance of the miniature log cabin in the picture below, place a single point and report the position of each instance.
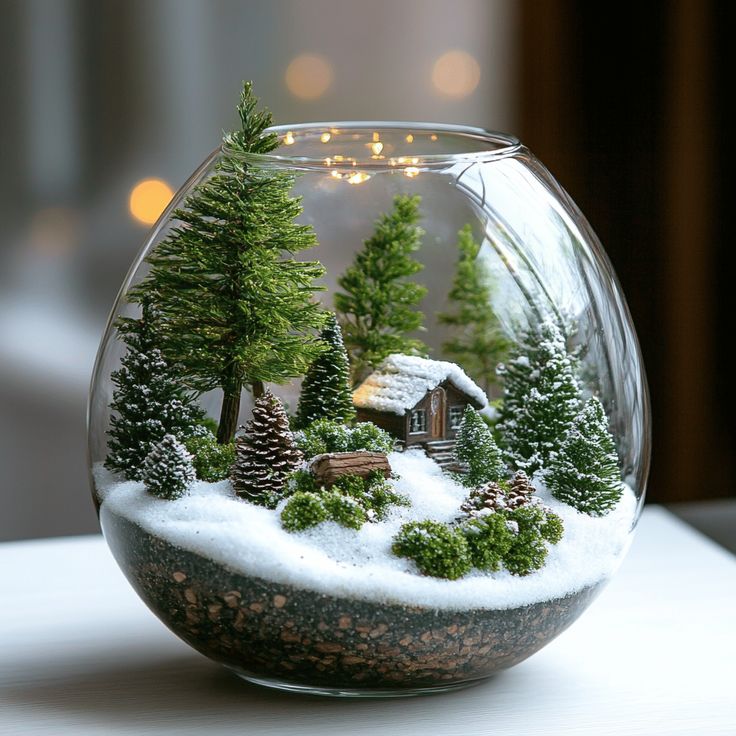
(417, 400)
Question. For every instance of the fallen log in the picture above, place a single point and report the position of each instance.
(328, 467)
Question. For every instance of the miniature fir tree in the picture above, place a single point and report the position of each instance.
(237, 308)
(541, 398)
(147, 402)
(477, 452)
(167, 470)
(377, 306)
(326, 390)
(265, 454)
(585, 472)
(477, 342)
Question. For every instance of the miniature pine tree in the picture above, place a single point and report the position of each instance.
(477, 342)
(326, 390)
(477, 452)
(237, 308)
(541, 398)
(265, 454)
(585, 472)
(147, 402)
(377, 306)
(167, 470)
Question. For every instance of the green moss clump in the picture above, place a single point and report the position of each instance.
(367, 436)
(343, 509)
(533, 525)
(436, 549)
(212, 461)
(374, 493)
(303, 511)
(489, 539)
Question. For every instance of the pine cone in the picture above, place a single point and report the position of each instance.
(521, 491)
(485, 499)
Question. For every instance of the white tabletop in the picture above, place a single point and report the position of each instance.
(655, 654)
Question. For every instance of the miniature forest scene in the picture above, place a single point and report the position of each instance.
(369, 417)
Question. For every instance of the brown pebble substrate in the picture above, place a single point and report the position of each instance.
(300, 637)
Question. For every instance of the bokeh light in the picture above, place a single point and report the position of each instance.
(309, 76)
(148, 199)
(455, 74)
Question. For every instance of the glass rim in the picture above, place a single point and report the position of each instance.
(489, 145)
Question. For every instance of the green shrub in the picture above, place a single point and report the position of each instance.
(489, 540)
(436, 549)
(343, 509)
(327, 435)
(367, 436)
(212, 461)
(374, 493)
(302, 511)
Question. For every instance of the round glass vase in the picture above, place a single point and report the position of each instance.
(462, 277)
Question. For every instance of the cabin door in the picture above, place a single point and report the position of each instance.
(437, 413)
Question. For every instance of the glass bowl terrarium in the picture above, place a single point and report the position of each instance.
(369, 416)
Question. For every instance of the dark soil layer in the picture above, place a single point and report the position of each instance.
(300, 637)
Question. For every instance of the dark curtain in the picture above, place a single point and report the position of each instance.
(624, 102)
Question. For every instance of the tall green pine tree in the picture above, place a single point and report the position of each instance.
(477, 342)
(326, 390)
(541, 398)
(377, 306)
(476, 450)
(585, 472)
(237, 310)
(147, 401)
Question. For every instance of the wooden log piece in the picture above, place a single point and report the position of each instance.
(327, 468)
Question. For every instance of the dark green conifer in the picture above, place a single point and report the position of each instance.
(377, 305)
(477, 452)
(167, 470)
(541, 398)
(585, 471)
(147, 401)
(237, 309)
(326, 390)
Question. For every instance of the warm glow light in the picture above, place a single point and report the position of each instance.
(376, 137)
(377, 148)
(289, 138)
(358, 177)
(456, 74)
(433, 137)
(309, 76)
(411, 171)
(148, 199)
(410, 138)
(325, 137)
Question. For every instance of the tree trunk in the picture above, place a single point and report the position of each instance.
(258, 389)
(229, 416)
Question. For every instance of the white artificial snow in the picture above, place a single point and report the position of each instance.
(213, 522)
(401, 381)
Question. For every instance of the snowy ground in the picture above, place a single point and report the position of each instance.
(213, 522)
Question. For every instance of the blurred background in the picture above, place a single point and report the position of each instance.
(107, 106)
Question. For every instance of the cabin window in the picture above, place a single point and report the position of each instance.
(456, 416)
(418, 423)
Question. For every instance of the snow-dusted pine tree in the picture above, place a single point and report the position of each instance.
(326, 390)
(585, 472)
(476, 450)
(147, 401)
(167, 470)
(541, 398)
(265, 454)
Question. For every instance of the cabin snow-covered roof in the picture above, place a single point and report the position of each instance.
(401, 381)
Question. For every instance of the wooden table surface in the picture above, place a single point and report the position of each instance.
(655, 654)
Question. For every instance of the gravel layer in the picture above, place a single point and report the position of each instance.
(301, 637)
